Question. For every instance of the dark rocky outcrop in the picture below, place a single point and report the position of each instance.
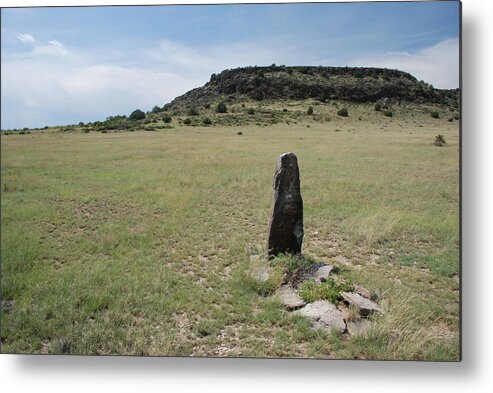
(354, 84)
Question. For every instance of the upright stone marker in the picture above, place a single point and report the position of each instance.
(286, 217)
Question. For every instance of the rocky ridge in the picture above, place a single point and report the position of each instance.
(355, 84)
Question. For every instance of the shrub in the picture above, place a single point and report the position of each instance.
(435, 115)
(193, 111)
(388, 113)
(456, 117)
(451, 119)
(439, 140)
(207, 121)
(328, 290)
(378, 107)
(343, 112)
(310, 110)
(251, 111)
(137, 115)
(156, 109)
(187, 121)
(207, 106)
(167, 119)
(221, 108)
(284, 110)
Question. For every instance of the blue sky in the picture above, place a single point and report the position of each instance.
(70, 64)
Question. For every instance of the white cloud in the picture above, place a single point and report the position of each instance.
(437, 64)
(43, 90)
(27, 38)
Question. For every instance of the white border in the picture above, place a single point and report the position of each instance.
(123, 374)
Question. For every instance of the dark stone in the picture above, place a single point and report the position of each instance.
(286, 217)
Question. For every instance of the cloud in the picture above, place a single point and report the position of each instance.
(437, 64)
(44, 90)
(27, 38)
(55, 84)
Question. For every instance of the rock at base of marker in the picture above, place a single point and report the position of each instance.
(323, 314)
(366, 307)
(290, 298)
(323, 273)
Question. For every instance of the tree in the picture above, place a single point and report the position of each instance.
(156, 109)
(137, 115)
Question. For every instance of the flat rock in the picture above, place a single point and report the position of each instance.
(365, 306)
(325, 315)
(322, 273)
(358, 326)
(290, 298)
(260, 273)
(362, 291)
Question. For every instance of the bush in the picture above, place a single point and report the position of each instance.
(343, 112)
(207, 106)
(439, 140)
(221, 108)
(193, 111)
(187, 121)
(310, 110)
(435, 115)
(207, 121)
(167, 119)
(156, 109)
(388, 113)
(328, 290)
(378, 107)
(137, 115)
(251, 111)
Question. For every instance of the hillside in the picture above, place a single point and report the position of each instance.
(359, 85)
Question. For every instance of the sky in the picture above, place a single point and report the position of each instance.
(69, 64)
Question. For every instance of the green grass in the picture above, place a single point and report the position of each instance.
(138, 242)
(328, 290)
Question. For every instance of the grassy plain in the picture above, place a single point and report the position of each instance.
(136, 242)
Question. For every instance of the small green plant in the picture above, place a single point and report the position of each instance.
(378, 107)
(251, 111)
(207, 121)
(167, 119)
(310, 110)
(187, 121)
(343, 112)
(328, 290)
(435, 115)
(221, 107)
(439, 140)
(388, 113)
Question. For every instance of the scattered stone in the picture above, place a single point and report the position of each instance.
(358, 326)
(325, 315)
(362, 291)
(260, 273)
(322, 273)
(365, 306)
(286, 217)
(290, 298)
